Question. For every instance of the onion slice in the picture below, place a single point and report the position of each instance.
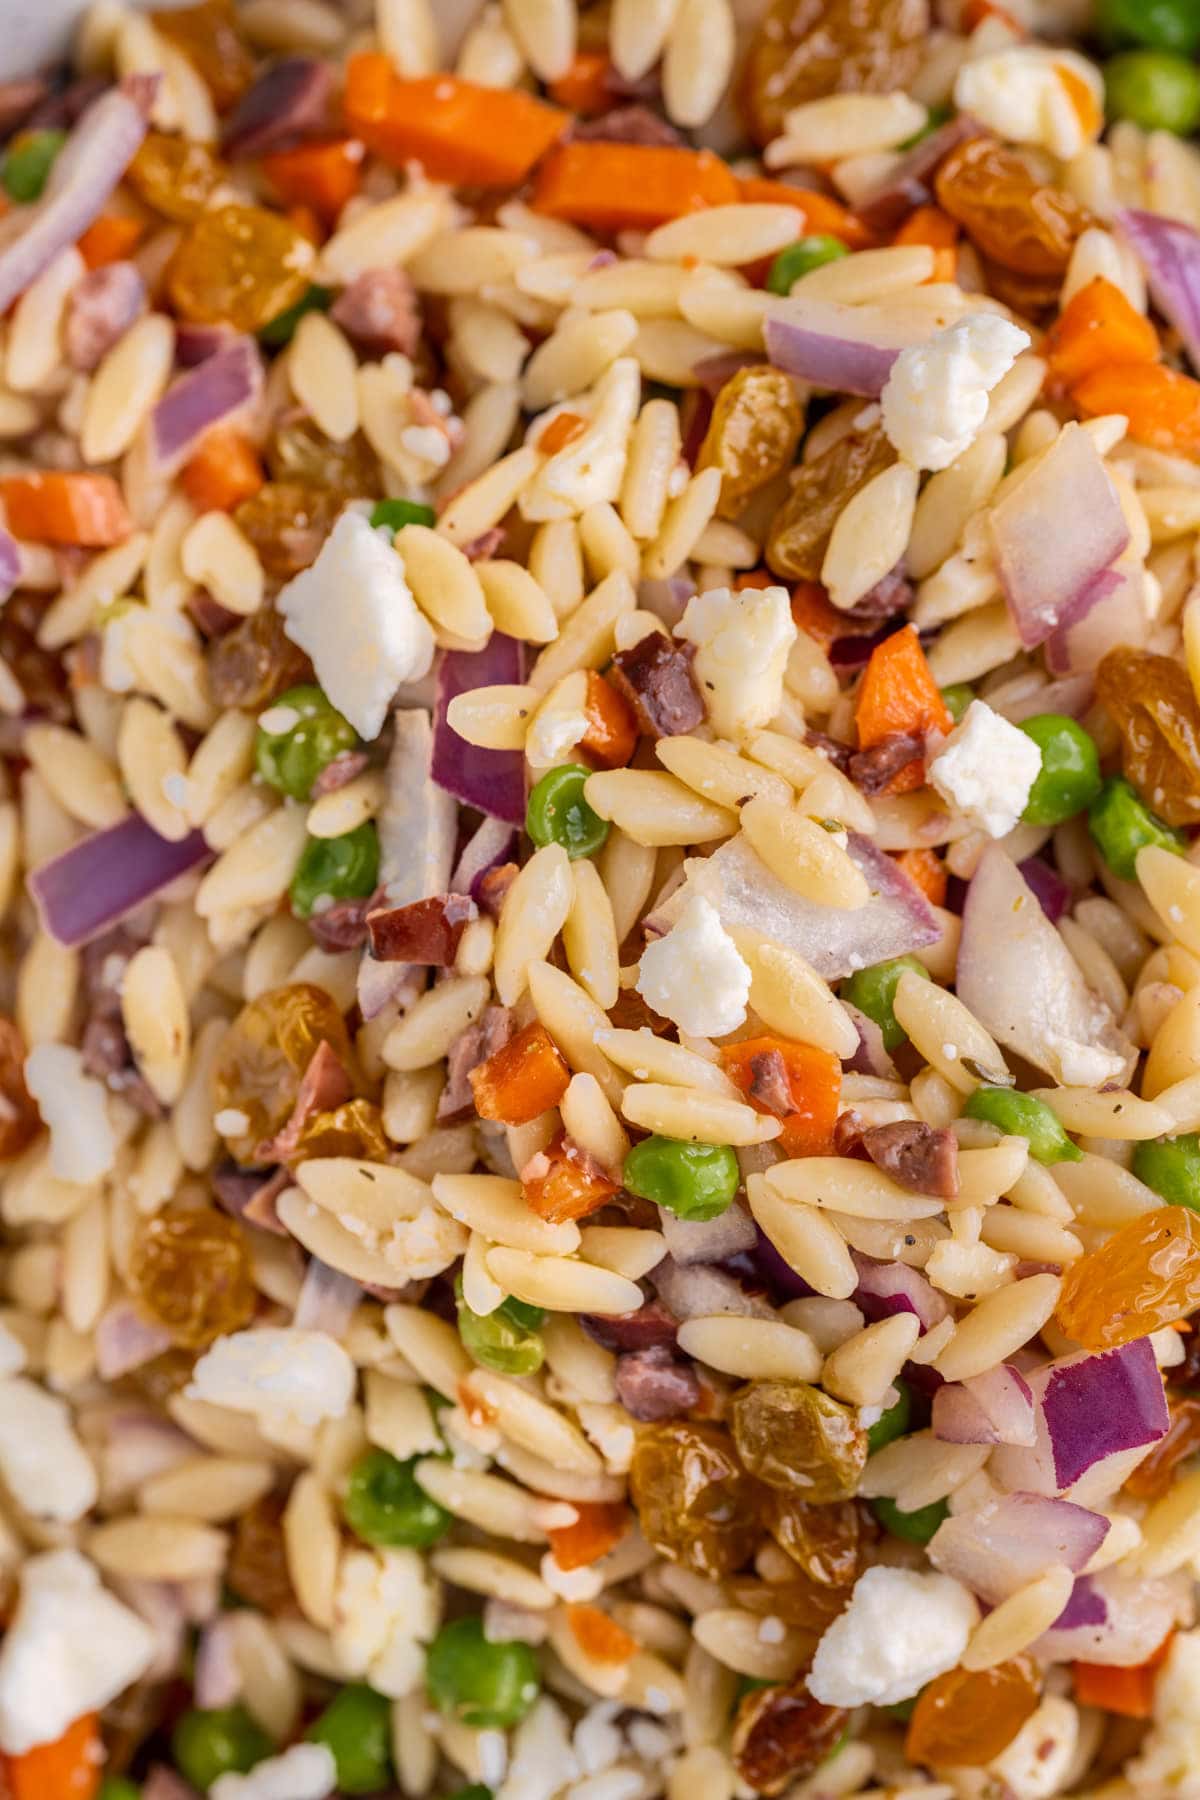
(888, 1288)
(1008, 1542)
(1121, 617)
(102, 879)
(491, 780)
(707, 1240)
(846, 349)
(219, 388)
(1096, 1416)
(993, 1408)
(1169, 252)
(1115, 1618)
(493, 843)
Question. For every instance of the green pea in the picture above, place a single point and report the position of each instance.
(915, 1527)
(1171, 1166)
(557, 813)
(344, 868)
(1121, 824)
(696, 1181)
(894, 1422)
(217, 1742)
(117, 1787)
(799, 258)
(1158, 24)
(290, 759)
(1154, 89)
(385, 1505)
(506, 1339)
(478, 1683)
(397, 513)
(28, 164)
(1069, 778)
(1021, 1115)
(873, 991)
(282, 328)
(357, 1727)
(958, 696)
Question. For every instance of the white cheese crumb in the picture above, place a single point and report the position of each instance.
(279, 1373)
(936, 397)
(354, 614)
(900, 1629)
(83, 1145)
(1034, 95)
(176, 789)
(305, 1772)
(69, 1649)
(694, 974)
(45, 1467)
(571, 1584)
(986, 769)
(742, 642)
(385, 1610)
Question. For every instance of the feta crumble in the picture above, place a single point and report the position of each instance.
(355, 615)
(986, 769)
(742, 642)
(900, 1629)
(305, 1772)
(44, 1466)
(1035, 95)
(694, 975)
(69, 1649)
(278, 1373)
(83, 1145)
(936, 397)
(385, 1611)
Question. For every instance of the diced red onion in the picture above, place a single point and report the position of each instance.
(418, 823)
(126, 1341)
(1009, 1542)
(1017, 976)
(383, 984)
(846, 349)
(1169, 252)
(1096, 1415)
(290, 97)
(700, 1290)
(1053, 893)
(777, 1272)
(93, 161)
(326, 1300)
(1116, 1619)
(139, 1445)
(909, 182)
(707, 1240)
(219, 389)
(490, 845)
(885, 1289)
(163, 1607)
(1122, 617)
(195, 343)
(1071, 695)
(994, 1408)
(102, 879)
(666, 597)
(10, 564)
(871, 1057)
(491, 780)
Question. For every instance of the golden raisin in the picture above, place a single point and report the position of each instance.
(287, 522)
(354, 1129)
(801, 529)
(1010, 216)
(265, 1053)
(781, 1734)
(208, 36)
(173, 176)
(20, 1120)
(1151, 699)
(190, 1272)
(828, 1542)
(695, 1502)
(805, 49)
(257, 1570)
(239, 265)
(795, 1437)
(255, 662)
(1152, 1478)
(1144, 1277)
(752, 437)
(966, 1717)
(298, 451)
(802, 1604)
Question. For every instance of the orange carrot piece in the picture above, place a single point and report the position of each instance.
(562, 430)
(585, 87)
(897, 694)
(612, 733)
(223, 472)
(321, 175)
(600, 1526)
(814, 1079)
(1128, 1691)
(562, 1183)
(457, 130)
(927, 870)
(930, 225)
(823, 217)
(1163, 407)
(524, 1078)
(814, 612)
(52, 508)
(1098, 329)
(598, 1636)
(109, 239)
(614, 187)
(68, 1769)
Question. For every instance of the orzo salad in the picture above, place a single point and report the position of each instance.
(600, 902)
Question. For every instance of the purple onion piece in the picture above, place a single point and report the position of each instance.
(888, 1288)
(220, 388)
(289, 99)
(493, 843)
(1054, 895)
(1169, 251)
(910, 182)
(1006, 1543)
(103, 878)
(491, 780)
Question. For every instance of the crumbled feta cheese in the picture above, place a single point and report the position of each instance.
(305, 1772)
(422, 1247)
(69, 1649)
(936, 397)
(694, 975)
(83, 1145)
(591, 467)
(742, 642)
(1032, 94)
(45, 1467)
(385, 1610)
(607, 1426)
(1084, 1065)
(1168, 1761)
(279, 1373)
(354, 614)
(900, 1629)
(986, 768)
(571, 1584)
(1036, 1763)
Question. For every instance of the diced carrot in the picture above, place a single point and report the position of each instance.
(109, 239)
(617, 187)
(562, 1183)
(612, 733)
(601, 1525)
(815, 1082)
(525, 1077)
(1128, 1691)
(1162, 406)
(562, 430)
(598, 1636)
(457, 130)
(68, 1769)
(52, 508)
(823, 217)
(814, 612)
(930, 225)
(586, 87)
(223, 472)
(927, 870)
(1098, 329)
(305, 219)
(897, 694)
(321, 175)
